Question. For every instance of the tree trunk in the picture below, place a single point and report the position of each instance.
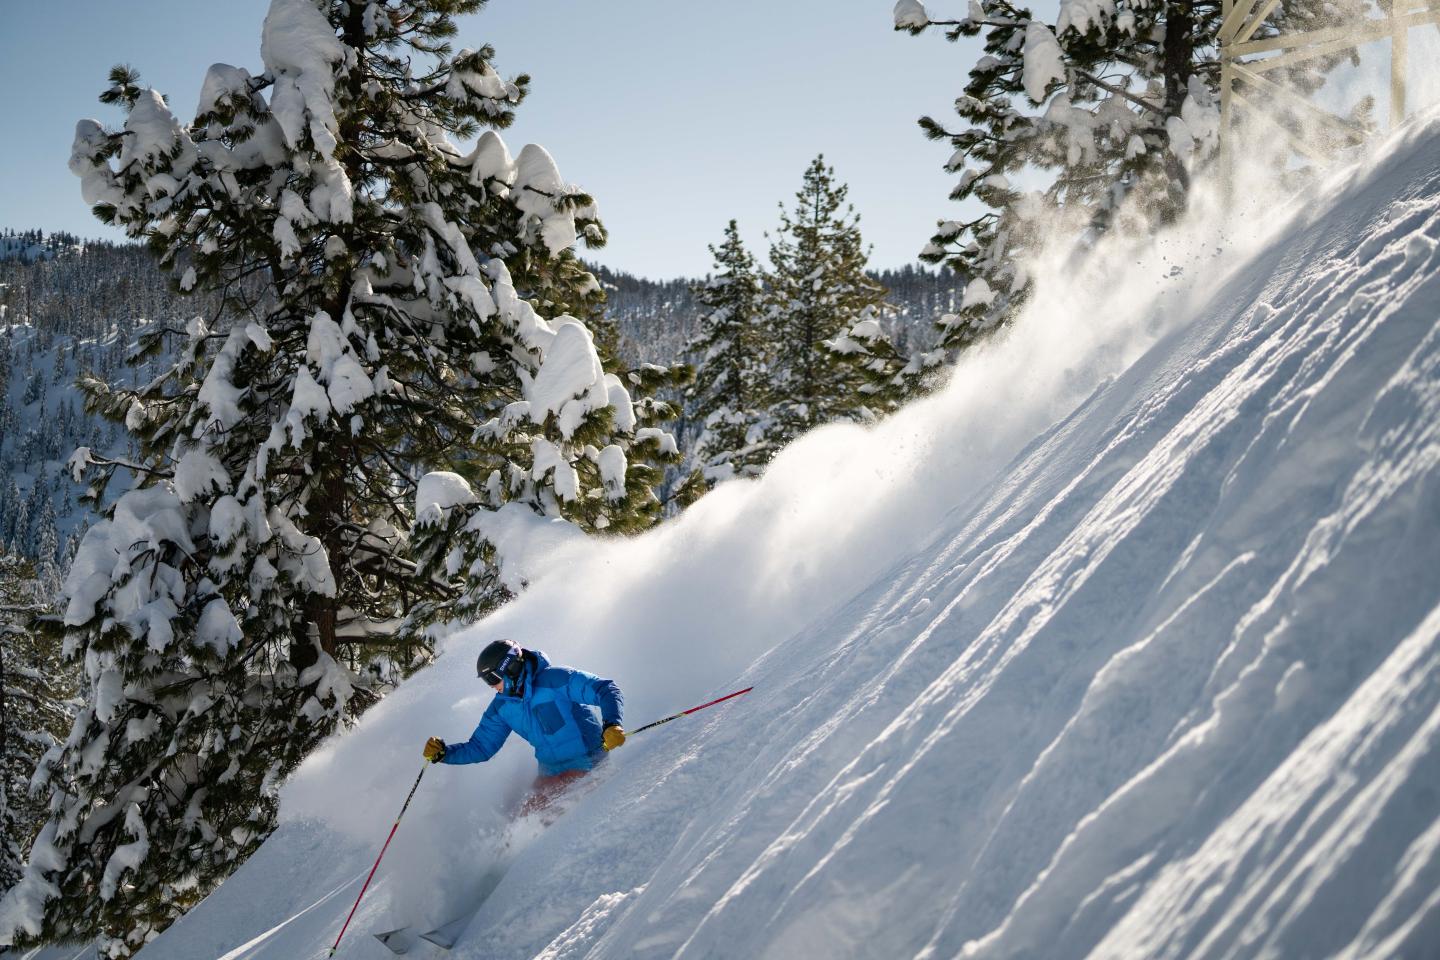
(1178, 67)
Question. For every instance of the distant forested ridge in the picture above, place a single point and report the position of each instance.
(69, 306)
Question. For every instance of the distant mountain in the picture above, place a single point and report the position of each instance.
(659, 317)
(28, 246)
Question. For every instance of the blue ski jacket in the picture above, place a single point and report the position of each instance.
(553, 713)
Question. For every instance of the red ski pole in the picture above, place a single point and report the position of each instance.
(377, 863)
(684, 713)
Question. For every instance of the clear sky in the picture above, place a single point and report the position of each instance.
(676, 115)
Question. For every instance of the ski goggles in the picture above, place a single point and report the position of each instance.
(509, 666)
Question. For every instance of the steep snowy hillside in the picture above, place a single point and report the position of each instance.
(42, 421)
(1126, 648)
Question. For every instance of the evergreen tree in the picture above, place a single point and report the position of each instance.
(9, 511)
(728, 394)
(19, 524)
(47, 548)
(1113, 105)
(818, 291)
(35, 688)
(265, 548)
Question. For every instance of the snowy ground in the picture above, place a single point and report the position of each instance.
(1129, 648)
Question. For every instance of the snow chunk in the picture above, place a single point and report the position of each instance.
(1084, 15)
(329, 350)
(333, 196)
(664, 439)
(139, 729)
(537, 189)
(142, 520)
(473, 290)
(151, 131)
(299, 47)
(548, 457)
(867, 329)
(219, 392)
(259, 336)
(284, 233)
(620, 401)
(491, 158)
(77, 463)
(302, 557)
(612, 471)
(197, 473)
(570, 382)
(218, 629)
(332, 682)
(349, 384)
(23, 906)
(308, 399)
(127, 856)
(325, 342)
(437, 492)
(453, 237)
(1044, 62)
(484, 82)
(222, 82)
(1196, 131)
(109, 694)
(227, 520)
(910, 15)
(977, 293)
(97, 180)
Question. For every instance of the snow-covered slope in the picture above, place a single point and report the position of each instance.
(1125, 647)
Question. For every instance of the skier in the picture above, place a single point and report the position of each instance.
(548, 706)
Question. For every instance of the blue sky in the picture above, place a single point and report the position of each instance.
(676, 116)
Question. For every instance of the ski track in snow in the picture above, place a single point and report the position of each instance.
(1167, 685)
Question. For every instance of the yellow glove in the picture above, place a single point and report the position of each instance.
(434, 749)
(614, 736)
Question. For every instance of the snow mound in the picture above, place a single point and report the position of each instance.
(1126, 649)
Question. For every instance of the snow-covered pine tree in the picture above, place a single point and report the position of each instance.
(1110, 108)
(264, 547)
(817, 292)
(888, 375)
(728, 396)
(35, 709)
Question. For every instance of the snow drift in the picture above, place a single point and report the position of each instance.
(1127, 644)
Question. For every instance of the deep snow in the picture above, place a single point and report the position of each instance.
(1125, 645)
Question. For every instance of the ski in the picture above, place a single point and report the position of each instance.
(518, 834)
(402, 939)
(445, 936)
(398, 941)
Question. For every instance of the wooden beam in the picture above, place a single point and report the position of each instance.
(1248, 31)
(1233, 18)
(1240, 19)
(1357, 34)
(1341, 126)
(1399, 48)
(1227, 7)
(1298, 56)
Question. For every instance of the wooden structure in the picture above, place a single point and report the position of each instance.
(1244, 64)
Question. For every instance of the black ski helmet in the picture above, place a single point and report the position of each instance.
(502, 659)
